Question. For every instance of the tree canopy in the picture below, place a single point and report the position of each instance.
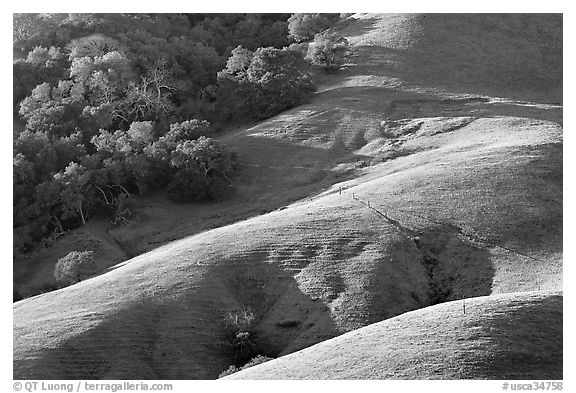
(303, 27)
(262, 83)
(116, 105)
(328, 51)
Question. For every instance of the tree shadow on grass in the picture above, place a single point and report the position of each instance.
(356, 27)
(271, 174)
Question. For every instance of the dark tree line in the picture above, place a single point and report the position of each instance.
(119, 104)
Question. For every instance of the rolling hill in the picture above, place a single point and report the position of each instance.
(428, 170)
(511, 336)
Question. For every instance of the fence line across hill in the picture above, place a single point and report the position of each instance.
(282, 167)
(410, 232)
(397, 224)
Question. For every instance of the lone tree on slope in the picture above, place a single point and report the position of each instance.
(75, 267)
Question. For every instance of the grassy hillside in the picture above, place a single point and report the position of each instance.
(513, 55)
(394, 189)
(512, 336)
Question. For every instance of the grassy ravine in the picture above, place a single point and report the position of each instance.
(464, 179)
(511, 336)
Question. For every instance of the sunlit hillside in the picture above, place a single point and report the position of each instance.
(428, 170)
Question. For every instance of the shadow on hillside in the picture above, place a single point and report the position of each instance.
(118, 348)
(286, 318)
(524, 341)
(534, 221)
(271, 175)
(424, 69)
(394, 104)
(183, 336)
(457, 268)
(511, 49)
(452, 267)
(356, 27)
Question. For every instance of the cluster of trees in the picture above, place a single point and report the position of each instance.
(117, 104)
(120, 68)
(303, 27)
(115, 57)
(60, 182)
(327, 49)
(262, 83)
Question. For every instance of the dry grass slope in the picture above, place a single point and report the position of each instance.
(464, 182)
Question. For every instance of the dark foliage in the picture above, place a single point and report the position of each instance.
(303, 27)
(202, 169)
(74, 267)
(328, 51)
(253, 362)
(120, 104)
(260, 84)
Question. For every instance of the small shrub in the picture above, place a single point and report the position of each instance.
(288, 323)
(230, 370)
(239, 329)
(328, 51)
(253, 362)
(74, 267)
(122, 212)
(256, 361)
(244, 347)
(239, 321)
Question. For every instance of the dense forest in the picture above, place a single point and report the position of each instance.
(109, 106)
